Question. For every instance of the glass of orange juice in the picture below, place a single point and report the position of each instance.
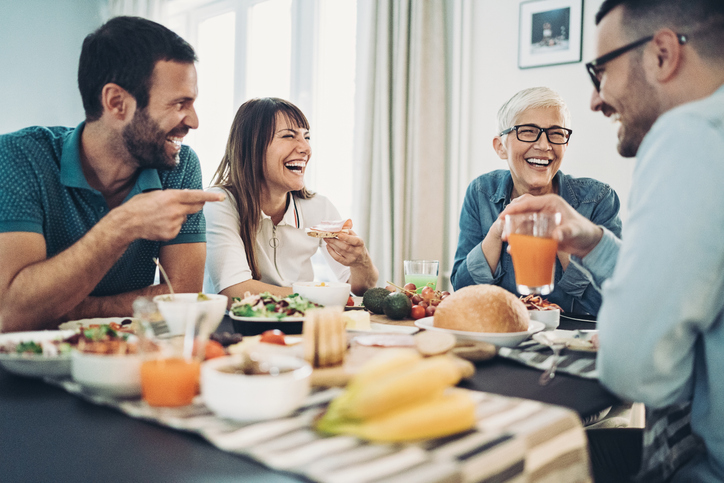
(533, 249)
(170, 374)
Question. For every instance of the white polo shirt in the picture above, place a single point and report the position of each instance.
(283, 252)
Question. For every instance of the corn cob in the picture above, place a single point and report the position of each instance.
(443, 415)
(422, 380)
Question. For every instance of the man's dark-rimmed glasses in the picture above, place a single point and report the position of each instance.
(530, 133)
(595, 66)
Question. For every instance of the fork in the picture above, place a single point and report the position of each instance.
(556, 347)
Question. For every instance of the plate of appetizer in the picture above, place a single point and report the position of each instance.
(121, 324)
(37, 353)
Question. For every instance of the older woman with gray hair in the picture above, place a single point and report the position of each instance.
(532, 137)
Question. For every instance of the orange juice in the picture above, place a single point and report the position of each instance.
(534, 259)
(170, 382)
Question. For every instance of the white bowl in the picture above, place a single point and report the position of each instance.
(183, 308)
(551, 318)
(330, 294)
(255, 397)
(110, 375)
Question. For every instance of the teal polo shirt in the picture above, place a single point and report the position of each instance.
(43, 190)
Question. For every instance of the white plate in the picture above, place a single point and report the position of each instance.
(504, 339)
(377, 327)
(84, 323)
(575, 340)
(36, 365)
(266, 319)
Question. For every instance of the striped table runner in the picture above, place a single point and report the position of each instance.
(516, 440)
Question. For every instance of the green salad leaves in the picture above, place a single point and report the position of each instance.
(271, 306)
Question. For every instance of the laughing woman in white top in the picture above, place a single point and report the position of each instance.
(255, 239)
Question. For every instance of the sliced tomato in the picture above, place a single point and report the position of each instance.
(275, 336)
(350, 302)
(214, 349)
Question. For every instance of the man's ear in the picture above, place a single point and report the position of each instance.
(667, 56)
(500, 148)
(117, 102)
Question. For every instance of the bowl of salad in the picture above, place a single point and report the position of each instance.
(42, 353)
(257, 313)
(108, 362)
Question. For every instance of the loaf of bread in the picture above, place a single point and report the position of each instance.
(482, 308)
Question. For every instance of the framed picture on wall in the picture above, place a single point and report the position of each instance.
(550, 32)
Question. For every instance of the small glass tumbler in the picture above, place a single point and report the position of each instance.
(533, 249)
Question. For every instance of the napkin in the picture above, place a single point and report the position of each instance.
(533, 354)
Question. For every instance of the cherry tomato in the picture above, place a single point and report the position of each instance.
(417, 312)
(275, 336)
(350, 302)
(214, 349)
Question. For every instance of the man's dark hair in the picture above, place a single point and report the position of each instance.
(124, 51)
(701, 20)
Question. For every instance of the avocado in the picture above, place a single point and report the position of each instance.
(372, 299)
(397, 306)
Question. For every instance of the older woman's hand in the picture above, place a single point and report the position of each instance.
(576, 234)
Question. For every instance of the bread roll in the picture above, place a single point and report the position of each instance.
(482, 308)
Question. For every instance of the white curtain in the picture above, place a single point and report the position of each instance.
(405, 187)
(150, 9)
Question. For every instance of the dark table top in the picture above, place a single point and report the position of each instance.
(47, 434)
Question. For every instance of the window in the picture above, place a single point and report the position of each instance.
(300, 50)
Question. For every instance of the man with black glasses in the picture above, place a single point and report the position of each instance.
(84, 211)
(660, 75)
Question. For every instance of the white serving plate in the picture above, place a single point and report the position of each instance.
(36, 365)
(502, 339)
(376, 327)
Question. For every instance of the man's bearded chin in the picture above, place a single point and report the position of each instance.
(146, 143)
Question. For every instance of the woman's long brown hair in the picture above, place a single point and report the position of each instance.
(241, 171)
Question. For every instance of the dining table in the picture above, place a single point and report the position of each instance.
(52, 431)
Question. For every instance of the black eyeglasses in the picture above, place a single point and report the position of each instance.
(595, 66)
(530, 133)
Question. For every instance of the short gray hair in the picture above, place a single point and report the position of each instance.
(531, 98)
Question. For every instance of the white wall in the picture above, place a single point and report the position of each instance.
(40, 42)
(496, 77)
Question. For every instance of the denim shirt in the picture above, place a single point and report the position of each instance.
(488, 195)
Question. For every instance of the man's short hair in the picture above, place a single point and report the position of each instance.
(701, 20)
(124, 51)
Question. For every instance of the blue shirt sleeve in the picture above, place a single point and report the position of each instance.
(664, 298)
(20, 206)
(577, 282)
(470, 266)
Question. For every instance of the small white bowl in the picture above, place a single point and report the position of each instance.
(258, 397)
(551, 318)
(330, 294)
(183, 308)
(109, 375)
